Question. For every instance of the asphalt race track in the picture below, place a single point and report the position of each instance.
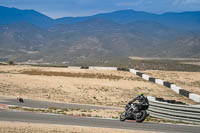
(46, 104)
(6, 115)
(21, 116)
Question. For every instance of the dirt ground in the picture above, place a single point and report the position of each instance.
(187, 80)
(99, 87)
(19, 127)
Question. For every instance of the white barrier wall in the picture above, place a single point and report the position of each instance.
(146, 77)
(150, 98)
(175, 88)
(194, 97)
(133, 71)
(103, 68)
(159, 81)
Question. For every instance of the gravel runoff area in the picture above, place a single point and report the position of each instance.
(97, 87)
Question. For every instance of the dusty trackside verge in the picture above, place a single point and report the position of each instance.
(99, 90)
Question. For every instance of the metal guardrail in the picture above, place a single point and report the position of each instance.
(175, 112)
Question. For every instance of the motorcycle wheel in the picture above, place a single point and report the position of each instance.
(123, 116)
(141, 116)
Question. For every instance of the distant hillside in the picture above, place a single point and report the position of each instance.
(185, 20)
(13, 15)
(28, 35)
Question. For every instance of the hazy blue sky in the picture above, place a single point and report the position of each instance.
(60, 8)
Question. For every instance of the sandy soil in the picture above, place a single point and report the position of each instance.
(96, 113)
(2, 106)
(187, 80)
(99, 90)
(19, 127)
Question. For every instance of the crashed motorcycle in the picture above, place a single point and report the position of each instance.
(132, 112)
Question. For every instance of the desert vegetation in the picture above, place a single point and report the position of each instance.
(10, 62)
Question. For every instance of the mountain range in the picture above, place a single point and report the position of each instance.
(27, 35)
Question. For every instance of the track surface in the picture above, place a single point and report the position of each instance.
(6, 115)
(46, 104)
